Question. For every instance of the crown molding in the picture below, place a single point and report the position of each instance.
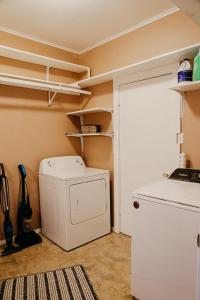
(131, 29)
(35, 39)
(100, 43)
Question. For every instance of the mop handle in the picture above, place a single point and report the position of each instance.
(4, 190)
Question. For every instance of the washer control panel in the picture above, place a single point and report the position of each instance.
(190, 175)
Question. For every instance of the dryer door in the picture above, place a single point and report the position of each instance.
(88, 200)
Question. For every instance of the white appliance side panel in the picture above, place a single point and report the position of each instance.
(164, 252)
(87, 200)
(52, 204)
(149, 121)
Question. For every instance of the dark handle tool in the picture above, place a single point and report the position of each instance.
(22, 170)
(2, 170)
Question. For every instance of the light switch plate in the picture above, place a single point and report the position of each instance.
(180, 138)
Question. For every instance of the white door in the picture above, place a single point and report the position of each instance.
(149, 120)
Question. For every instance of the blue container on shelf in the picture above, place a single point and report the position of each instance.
(185, 71)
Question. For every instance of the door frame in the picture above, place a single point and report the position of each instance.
(117, 83)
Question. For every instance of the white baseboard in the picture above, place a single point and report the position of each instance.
(38, 230)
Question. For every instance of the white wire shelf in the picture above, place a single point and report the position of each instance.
(31, 83)
(153, 62)
(80, 114)
(33, 79)
(42, 60)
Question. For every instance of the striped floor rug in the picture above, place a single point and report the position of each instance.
(63, 284)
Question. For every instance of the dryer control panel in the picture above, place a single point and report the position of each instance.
(48, 165)
(190, 175)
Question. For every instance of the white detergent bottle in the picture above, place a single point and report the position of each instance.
(182, 160)
(185, 71)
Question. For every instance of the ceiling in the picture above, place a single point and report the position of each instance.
(191, 8)
(77, 24)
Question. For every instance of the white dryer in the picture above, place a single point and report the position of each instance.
(74, 201)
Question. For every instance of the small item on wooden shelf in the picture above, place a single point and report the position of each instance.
(90, 128)
(185, 71)
(72, 133)
(196, 72)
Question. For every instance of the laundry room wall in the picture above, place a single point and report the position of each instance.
(98, 150)
(29, 129)
(164, 35)
(159, 37)
(191, 129)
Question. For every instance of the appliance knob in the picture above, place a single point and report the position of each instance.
(136, 204)
(50, 163)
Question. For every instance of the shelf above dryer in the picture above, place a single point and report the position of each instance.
(79, 113)
(79, 135)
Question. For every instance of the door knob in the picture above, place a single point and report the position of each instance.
(136, 204)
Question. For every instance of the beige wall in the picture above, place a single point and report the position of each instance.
(98, 150)
(165, 35)
(191, 128)
(38, 48)
(29, 129)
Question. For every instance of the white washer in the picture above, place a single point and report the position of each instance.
(74, 201)
(166, 240)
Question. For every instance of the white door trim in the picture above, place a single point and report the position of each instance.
(117, 82)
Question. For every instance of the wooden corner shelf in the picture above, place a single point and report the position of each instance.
(186, 86)
(80, 114)
(79, 134)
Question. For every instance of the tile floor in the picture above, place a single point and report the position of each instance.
(107, 261)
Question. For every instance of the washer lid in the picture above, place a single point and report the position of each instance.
(181, 192)
(66, 174)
